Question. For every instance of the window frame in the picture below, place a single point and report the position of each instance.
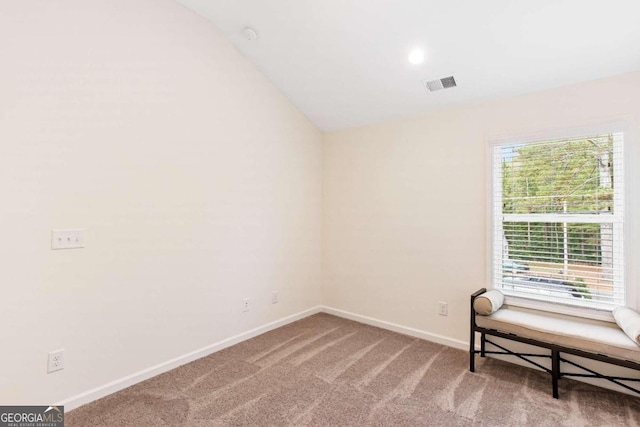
(628, 225)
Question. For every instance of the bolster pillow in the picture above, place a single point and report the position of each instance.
(629, 322)
(489, 302)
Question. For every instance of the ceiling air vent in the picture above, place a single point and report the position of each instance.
(444, 83)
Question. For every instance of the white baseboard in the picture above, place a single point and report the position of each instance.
(122, 383)
(440, 339)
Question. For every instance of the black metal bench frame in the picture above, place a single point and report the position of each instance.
(555, 355)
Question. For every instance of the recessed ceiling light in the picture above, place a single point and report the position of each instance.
(416, 56)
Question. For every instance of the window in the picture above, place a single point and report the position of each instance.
(558, 220)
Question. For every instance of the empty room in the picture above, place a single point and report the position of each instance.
(320, 213)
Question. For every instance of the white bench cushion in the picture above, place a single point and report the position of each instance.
(602, 338)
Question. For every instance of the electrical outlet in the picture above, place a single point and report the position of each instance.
(274, 297)
(443, 308)
(245, 305)
(55, 361)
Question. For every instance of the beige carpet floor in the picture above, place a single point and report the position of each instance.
(328, 371)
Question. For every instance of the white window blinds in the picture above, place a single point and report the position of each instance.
(558, 220)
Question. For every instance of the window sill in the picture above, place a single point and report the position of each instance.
(557, 308)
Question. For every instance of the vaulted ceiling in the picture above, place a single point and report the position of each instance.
(344, 63)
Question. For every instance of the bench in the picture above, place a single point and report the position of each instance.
(600, 342)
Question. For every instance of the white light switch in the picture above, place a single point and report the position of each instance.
(67, 239)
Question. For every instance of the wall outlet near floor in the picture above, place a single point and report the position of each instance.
(443, 308)
(274, 297)
(245, 305)
(55, 361)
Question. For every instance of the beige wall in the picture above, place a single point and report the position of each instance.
(197, 182)
(405, 202)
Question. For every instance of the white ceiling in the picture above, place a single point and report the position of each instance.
(344, 63)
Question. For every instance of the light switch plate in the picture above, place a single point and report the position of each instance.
(67, 239)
